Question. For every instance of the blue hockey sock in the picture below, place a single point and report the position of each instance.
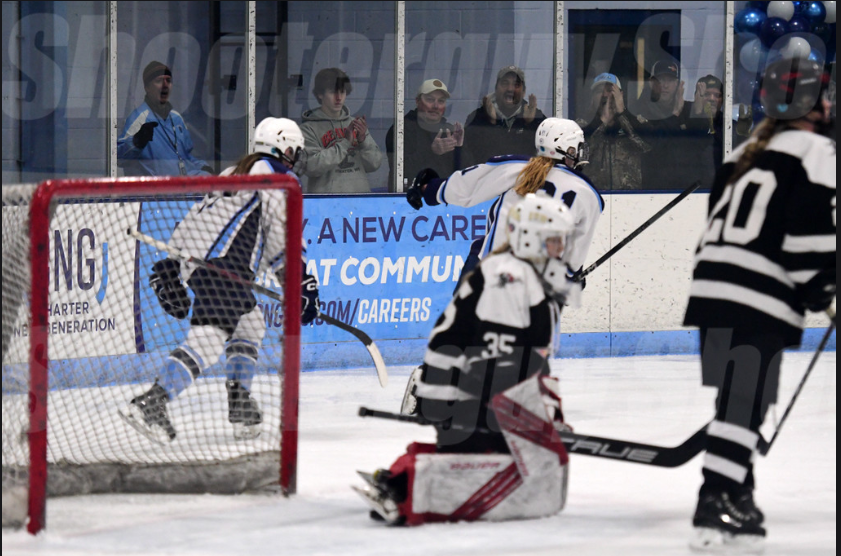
(174, 378)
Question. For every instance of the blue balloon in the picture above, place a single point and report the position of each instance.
(822, 31)
(761, 6)
(799, 24)
(749, 21)
(799, 7)
(773, 29)
(815, 12)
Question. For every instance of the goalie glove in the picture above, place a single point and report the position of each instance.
(165, 281)
(309, 299)
(414, 195)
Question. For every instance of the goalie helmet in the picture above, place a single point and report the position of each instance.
(792, 88)
(534, 220)
(556, 136)
(274, 135)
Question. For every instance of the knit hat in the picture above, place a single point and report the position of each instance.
(154, 69)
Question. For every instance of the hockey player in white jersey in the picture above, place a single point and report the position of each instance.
(561, 151)
(766, 257)
(243, 234)
(485, 385)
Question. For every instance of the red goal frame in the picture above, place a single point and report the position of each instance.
(39, 231)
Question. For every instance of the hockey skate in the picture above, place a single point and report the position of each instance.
(410, 401)
(147, 415)
(243, 412)
(380, 497)
(722, 527)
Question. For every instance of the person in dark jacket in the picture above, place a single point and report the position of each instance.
(429, 140)
(616, 147)
(505, 123)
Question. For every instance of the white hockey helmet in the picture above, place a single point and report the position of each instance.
(274, 135)
(556, 136)
(535, 219)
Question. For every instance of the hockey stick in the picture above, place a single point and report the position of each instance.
(638, 231)
(764, 446)
(596, 446)
(373, 350)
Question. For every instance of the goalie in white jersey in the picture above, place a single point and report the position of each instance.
(485, 386)
(242, 233)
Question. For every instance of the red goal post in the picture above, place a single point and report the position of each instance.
(42, 209)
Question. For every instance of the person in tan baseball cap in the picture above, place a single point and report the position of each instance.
(429, 140)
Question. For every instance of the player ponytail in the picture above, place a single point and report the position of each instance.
(761, 137)
(533, 176)
(243, 167)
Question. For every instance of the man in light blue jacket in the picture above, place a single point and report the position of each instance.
(155, 139)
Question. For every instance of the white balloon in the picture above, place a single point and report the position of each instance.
(830, 12)
(796, 47)
(751, 55)
(783, 10)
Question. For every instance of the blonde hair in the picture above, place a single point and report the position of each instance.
(533, 176)
(762, 136)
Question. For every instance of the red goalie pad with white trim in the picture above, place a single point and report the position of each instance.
(529, 482)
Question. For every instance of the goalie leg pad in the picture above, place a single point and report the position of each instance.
(529, 482)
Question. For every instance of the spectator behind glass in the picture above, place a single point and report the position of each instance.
(616, 148)
(155, 139)
(429, 140)
(706, 122)
(664, 114)
(340, 151)
(505, 123)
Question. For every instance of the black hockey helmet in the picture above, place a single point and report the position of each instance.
(792, 88)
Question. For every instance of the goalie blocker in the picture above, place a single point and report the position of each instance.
(424, 486)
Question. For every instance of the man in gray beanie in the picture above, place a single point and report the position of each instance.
(155, 140)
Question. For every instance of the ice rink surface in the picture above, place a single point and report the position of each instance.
(613, 508)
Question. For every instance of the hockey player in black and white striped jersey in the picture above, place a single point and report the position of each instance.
(242, 233)
(766, 257)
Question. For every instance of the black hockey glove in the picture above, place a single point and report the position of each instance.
(309, 299)
(817, 294)
(415, 192)
(144, 134)
(171, 293)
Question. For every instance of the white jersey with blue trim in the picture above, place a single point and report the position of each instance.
(244, 224)
(497, 178)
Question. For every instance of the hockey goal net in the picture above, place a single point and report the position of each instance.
(84, 334)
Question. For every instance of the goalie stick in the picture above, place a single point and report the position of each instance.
(580, 276)
(373, 350)
(596, 446)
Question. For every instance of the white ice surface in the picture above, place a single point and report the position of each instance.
(613, 508)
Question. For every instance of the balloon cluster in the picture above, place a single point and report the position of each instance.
(767, 31)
